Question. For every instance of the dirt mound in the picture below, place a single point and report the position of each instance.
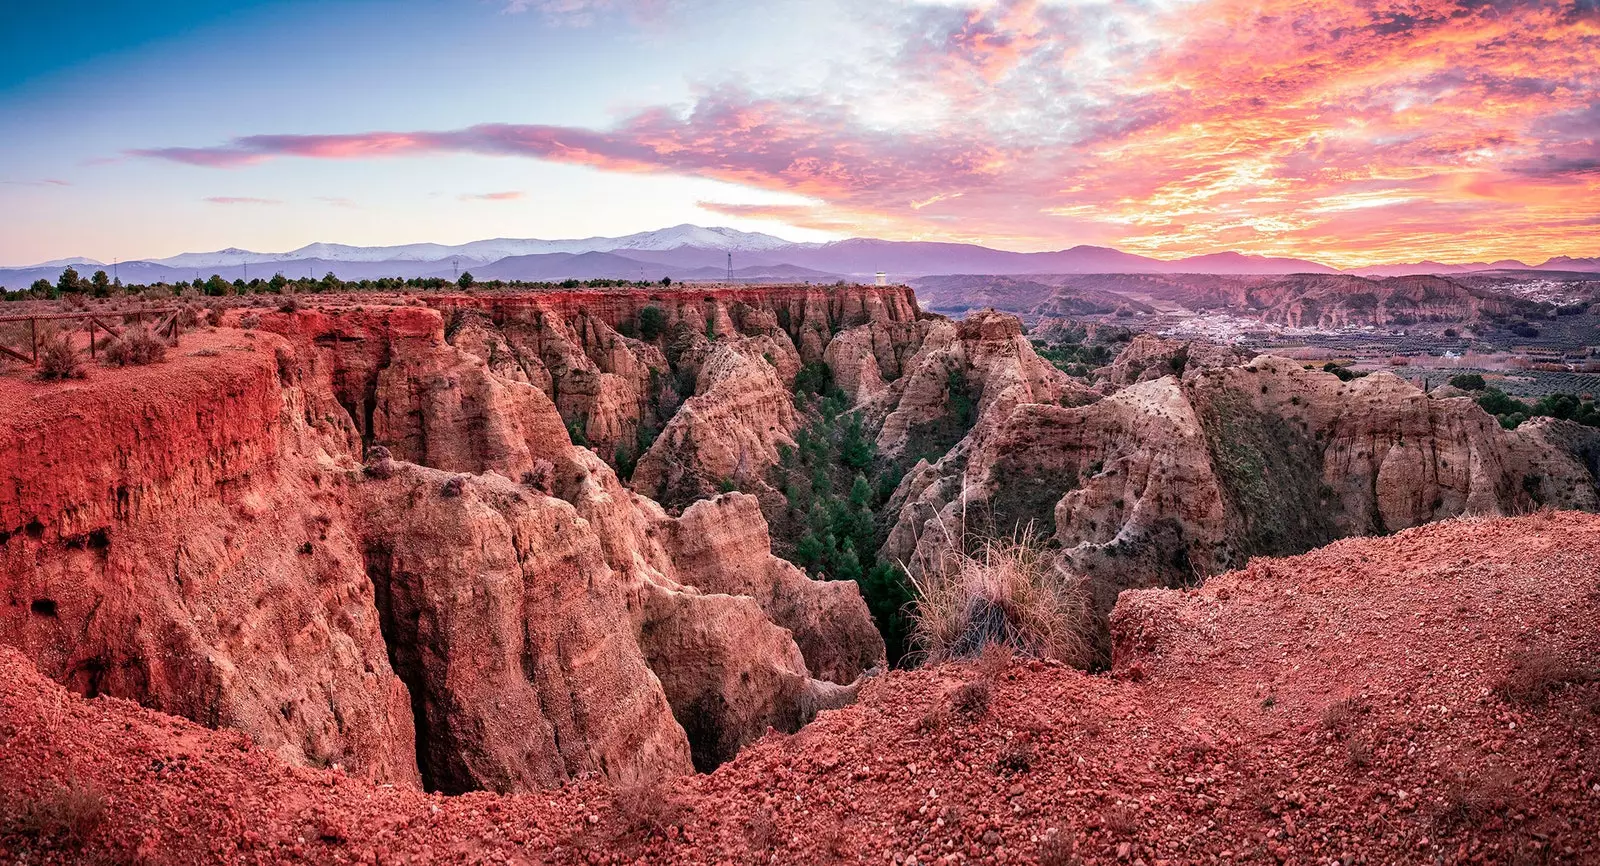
(1428, 697)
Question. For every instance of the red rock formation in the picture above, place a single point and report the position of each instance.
(729, 431)
(244, 571)
(1372, 699)
(721, 545)
(173, 536)
(502, 617)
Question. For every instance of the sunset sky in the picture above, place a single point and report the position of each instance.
(1347, 132)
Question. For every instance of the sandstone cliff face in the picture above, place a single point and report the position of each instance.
(621, 379)
(721, 545)
(962, 372)
(177, 536)
(1167, 481)
(1150, 357)
(243, 570)
(503, 619)
(730, 430)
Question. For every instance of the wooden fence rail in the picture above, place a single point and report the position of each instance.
(165, 320)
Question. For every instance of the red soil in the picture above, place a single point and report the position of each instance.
(1356, 704)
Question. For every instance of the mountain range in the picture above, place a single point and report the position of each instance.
(689, 252)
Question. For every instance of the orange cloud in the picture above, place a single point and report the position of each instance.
(1350, 131)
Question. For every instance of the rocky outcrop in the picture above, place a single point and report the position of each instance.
(730, 430)
(177, 536)
(721, 545)
(619, 363)
(484, 605)
(963, 371)
(1150, 357)
(502, 616)
(1168, 481)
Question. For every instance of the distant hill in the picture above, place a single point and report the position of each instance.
(701, 253)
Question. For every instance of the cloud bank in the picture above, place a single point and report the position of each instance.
(1344, 130)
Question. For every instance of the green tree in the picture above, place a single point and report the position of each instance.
(666, 281)
(216, 286)
(69, 282)
(466, 280)
(331, 282)
(652, 321)
(101, 284)
(847, 565)
(854, 448)
(277, 283)
(810, 552)
(1468, 382)
(42, 288)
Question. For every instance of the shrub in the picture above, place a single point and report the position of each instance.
(135, 347)
(70, 812)
(380, 463)
(290, 304)
(971, 699)
(542, 477)
(453, 488)
(58, 359)
(1008, 591)
(1468, 382)
(1537, 673)
(652, 321)
(645, 810)
(249, 321)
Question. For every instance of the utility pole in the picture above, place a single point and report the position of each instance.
(730, 266)
(115, 280)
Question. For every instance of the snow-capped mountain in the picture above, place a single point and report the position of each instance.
(698, 252)
(480, 252)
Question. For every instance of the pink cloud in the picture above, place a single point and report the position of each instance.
(237, 199)
(1333, 129)
(510, 195)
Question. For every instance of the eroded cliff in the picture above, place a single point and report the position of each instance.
(362, 544)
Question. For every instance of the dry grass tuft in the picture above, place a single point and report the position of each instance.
(70, 812)
(649, 809)
(1340, 716)
(1008, 592)
(971, 699)
(1016, 757)
(1535, 674)
(1058, 849)
(1473, 797)
(761, 829)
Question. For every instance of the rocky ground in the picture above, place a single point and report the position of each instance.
(1430, 697)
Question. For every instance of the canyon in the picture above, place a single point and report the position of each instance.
(519, 542)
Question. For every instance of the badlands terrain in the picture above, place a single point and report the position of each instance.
(600, 575)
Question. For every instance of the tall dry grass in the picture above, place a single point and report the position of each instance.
(1007, 591)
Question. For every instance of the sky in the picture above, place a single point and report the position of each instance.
(1351, 132)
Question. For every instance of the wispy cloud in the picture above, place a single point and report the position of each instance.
(509, 195)
(48, 181)
(584, 13)
(238, 199)
(1341, 130)
(336, 201)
